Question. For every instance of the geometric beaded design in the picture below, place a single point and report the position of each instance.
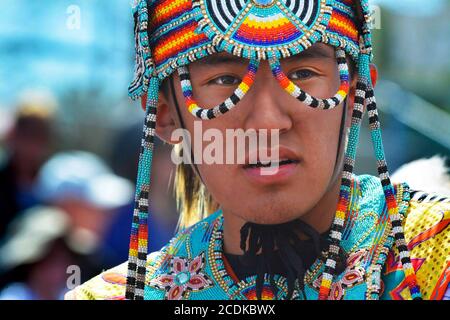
(251, 28)
(173, 33)
(224, 107)
(325, 104)
(245, 85)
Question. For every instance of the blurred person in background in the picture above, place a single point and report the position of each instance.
(36, 255)
(80, 185)
(28, 143)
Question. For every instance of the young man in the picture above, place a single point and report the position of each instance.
(302, 225)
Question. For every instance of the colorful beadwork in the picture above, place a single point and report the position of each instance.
(174, 33)
(396, 218)
(137, 256)
(170, 34)
(288, 85)
(349, 162)
(304, 97)
(187, 276)
(222, 108)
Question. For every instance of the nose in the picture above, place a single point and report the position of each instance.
(267, 103)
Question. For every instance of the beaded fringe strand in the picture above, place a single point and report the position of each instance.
(137, 258)
(344, 194)
(394, 215)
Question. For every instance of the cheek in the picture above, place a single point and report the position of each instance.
(320, 133)
(215, 173)
(218, 182)
(323, 88)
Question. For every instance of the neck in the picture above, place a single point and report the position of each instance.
(320, 218)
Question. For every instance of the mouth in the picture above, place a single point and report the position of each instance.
(280, 167)
(271, 164)
(272, 158)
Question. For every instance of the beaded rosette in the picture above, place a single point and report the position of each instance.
(171, 34)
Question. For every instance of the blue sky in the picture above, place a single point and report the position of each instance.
(413, 7)
(38, 50)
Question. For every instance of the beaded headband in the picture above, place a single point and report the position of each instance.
(171, 34)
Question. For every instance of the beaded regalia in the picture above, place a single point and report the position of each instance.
(171, 34)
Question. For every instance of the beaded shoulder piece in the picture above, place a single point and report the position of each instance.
(427, 233)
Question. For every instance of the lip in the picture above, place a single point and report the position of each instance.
(283, 153)
(271, 175)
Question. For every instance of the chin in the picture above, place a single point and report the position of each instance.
(273, 213)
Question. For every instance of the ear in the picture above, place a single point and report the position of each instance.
(144, 102)
(165, 123)
(373, 74)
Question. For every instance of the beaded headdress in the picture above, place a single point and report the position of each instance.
(170, 34)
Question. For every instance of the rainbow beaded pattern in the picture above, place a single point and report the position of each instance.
(174, 33)
(304, 97)
(222, 108)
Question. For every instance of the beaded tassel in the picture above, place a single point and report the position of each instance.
(227, 105)
(137, 258)
(365, 96)
(395, 217)
(344, 194)
(291, 88)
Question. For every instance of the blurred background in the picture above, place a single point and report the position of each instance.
(69, 135)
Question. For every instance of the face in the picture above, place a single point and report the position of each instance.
(308, 138)
(31, 142)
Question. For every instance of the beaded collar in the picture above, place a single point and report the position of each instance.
(245, 288)
(366, 241)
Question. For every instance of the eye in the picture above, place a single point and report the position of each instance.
(302, 74)
(225, 80)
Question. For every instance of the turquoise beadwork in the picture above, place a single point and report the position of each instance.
(182, 278)
(364, 251)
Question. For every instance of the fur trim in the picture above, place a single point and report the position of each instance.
(428, 175)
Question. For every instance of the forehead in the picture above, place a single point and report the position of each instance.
(317, 51)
